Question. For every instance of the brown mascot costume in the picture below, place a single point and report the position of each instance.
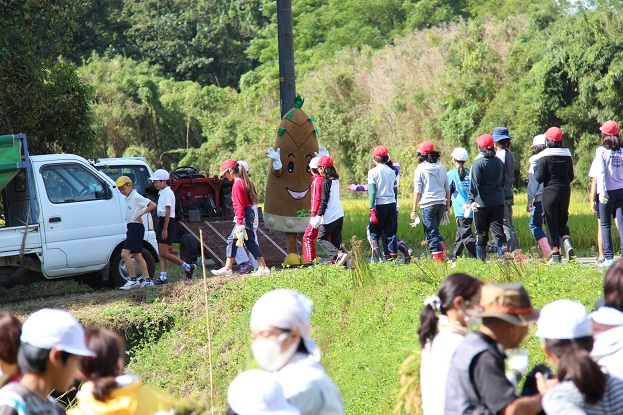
(287, 200)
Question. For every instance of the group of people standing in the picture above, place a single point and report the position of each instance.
(465, 371)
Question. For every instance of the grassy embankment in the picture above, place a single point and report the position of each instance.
(364, 319)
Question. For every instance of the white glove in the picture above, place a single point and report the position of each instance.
(603, 199)
(314, 221)
(322, 151)
(518, 361)
(445, 220)
(238, 231)
(415, 222)
(275, 156)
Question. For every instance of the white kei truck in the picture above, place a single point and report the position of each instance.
(61, 218)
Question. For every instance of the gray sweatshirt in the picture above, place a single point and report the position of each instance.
(431, 181)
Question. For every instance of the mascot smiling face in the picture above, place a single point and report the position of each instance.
(287, 187)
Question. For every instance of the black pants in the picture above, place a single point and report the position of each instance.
(490, 217)
(464, 237)
(330, 237)
(385, 230)
(555, 201)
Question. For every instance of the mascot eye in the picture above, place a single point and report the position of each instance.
(308, 169)
(290, 167)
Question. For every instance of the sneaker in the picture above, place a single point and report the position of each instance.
(341, 258)
(245, 268)
(261, 271)
(222, 271)
(189, 273)
(147, 283)
(607, 263)
(161, 282)
(130, 284)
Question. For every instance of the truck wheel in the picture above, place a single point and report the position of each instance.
(188, 249)
(118, 270)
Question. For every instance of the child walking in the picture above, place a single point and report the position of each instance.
(243, 198)
(136, 206)
(311, 232)
(432, 193)
(459, 182)
(535, 191)
(331, 212)
(502, 142)
(165, 232)
(243, 256)
(382, 198)
(555, 170)
(486, 197)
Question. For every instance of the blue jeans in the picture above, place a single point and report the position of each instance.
(431, 218)
(536, 222)
(615, 204)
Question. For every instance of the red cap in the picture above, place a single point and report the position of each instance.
(325, 161)
(609, 128)
(227, 164)
(425, 147)
(554, 134)
(380, 151)
(485, 141)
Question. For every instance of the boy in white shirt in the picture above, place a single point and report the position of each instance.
(136, 207)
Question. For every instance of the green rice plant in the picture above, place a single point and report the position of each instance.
(360, 270)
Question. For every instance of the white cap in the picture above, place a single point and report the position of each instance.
(50, 328)
(459, 154)
(539, 140)
(160, 174)
(244, 164)
(608, 316)
(313, 163)
(257, 392)
(284, 309)
(563, 320)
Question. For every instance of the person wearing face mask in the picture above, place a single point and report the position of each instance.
(280, 331)
(10, 331)
(477, 382)
(443, 324)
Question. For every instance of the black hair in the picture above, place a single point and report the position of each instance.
(390, 163)
(455, 285)
(381, 159)
(504, 143)
(432, 157)
(613, 286)
(553, 144)
(313, 170)
(330, 173)
(32, 359)
(461, 168)
(576, 364)
(487, 152)
(611, 142)
(537, 149)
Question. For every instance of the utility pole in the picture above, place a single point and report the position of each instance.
(287, 83)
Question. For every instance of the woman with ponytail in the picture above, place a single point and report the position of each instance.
(567, 340)
(459, 188)
(107, 391)
(243, 197)
(443, 324)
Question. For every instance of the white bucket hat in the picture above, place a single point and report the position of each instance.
(539, 140)
(50, 328)
(257, 392)
(459, 154)
(563, 320)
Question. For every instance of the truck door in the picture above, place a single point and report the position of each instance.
(82, 218)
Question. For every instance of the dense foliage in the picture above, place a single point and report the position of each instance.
(193, 82)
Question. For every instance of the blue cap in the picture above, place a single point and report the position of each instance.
(500, 133)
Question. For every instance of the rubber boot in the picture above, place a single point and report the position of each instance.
(568, 248)
(443, 247)
(377, 254)
(481, 252)
(545, 248)
(555, 258)
(437, 256)
(406, 251)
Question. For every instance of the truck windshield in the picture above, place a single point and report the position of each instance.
(138, 174)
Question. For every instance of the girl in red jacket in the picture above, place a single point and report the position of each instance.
(311, 232)
(243, 198)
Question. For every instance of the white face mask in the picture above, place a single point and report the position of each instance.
(472, 322)
(268, 352)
